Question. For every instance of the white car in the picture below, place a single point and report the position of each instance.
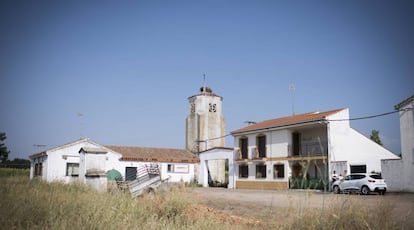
(361, 182)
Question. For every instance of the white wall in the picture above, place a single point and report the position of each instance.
(400, 174)
(182, 172)
(216, 154)
(347, 144)
(54, 169)
(407, 145)
(393, 174)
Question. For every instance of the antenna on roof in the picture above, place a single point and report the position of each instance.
(292, 91)
(38, 147)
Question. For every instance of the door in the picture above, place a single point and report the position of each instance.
(130, 173)
(358, 169)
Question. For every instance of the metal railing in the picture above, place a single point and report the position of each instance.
(309, 148)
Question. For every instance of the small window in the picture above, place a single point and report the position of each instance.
(170, 168)
(243, 171)
(279, 171)
(212, 108)
(72, 169)
(260, 171)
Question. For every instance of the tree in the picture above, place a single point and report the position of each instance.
(375, 137)
(4, 153)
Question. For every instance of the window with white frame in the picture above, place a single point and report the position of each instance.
(261, 171)
(279, 171)
(72, 169)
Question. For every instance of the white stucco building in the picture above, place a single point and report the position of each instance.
(302, 151)
(67, 163)
(399, 173)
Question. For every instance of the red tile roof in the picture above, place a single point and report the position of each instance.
(289, 120)
(132, 153)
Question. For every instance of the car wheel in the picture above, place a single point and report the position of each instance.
(364, 190)
(382, 192)
(336, 189)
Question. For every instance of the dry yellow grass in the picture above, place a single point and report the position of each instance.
(27, 204)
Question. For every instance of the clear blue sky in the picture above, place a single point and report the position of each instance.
(129, 67)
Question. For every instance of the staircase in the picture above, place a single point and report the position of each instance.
(147, 177)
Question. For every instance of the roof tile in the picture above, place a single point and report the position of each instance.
(289, 120)
(134, 153)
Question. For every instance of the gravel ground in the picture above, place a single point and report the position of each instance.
(253, 203)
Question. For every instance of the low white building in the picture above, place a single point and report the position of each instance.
(399, 173)
(302, 151)
(64, 163)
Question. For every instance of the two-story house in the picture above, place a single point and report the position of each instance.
(301, 151)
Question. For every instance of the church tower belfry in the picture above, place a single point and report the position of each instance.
(205, 122)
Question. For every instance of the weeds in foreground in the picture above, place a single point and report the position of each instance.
(33, 204)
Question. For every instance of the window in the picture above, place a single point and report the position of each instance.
(169, 168)
(243, 147)
(38, 169)
(212, 107)
(243, 171)
(260, 171)
(261, 145)
(279, 171)
(72, 169)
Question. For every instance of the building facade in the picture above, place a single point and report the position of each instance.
(399, 173)
(67, 163)
(301, 151)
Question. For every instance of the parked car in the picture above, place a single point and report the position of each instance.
(363, 183)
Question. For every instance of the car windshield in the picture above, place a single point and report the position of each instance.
(376, 176)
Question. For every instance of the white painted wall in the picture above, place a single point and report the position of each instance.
(54, 164)
(203, 124)
(216, 154)
(399, 174)
(54, 168)
(347, 144)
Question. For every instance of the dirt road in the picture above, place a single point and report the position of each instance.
(258, 203)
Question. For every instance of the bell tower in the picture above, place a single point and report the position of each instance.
(205, 121)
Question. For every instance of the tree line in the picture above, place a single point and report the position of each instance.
(4, 156)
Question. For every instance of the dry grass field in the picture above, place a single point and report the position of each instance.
(26, 204)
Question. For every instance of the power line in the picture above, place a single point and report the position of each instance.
(348, 119)
(372, 116)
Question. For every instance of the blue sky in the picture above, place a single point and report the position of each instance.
(129, 66)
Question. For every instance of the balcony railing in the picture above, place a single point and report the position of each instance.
(239, 156)
(309, 149)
